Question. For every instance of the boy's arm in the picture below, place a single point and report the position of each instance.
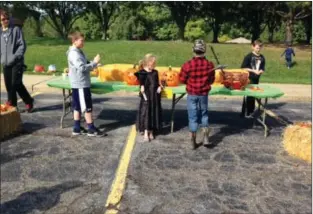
(21, 45)
(293, 52)
(283, 53)
(79, 64)
(183, 74)
(262, 66)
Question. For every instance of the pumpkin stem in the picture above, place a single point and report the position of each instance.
(134, 66)
(170, 68)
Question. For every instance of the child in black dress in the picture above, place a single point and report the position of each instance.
(150, 111)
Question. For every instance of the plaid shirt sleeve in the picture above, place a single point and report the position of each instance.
(183, 75)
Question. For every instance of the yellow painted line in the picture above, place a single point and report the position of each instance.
(32, 95)
(118, 185)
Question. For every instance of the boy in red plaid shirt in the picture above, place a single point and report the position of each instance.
(198, 75)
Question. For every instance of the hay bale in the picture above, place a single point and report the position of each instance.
(10, 122)
(297, 140)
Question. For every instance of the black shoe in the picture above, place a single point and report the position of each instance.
(83, 131)
(76, 132)
(95, 133)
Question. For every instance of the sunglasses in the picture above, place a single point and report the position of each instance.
(4, 19)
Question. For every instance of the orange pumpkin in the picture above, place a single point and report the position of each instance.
(39, 68)
(130, 77)
(171, 77)
(218, 77)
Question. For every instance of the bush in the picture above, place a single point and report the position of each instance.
(224, 38)
(167, 32)
(195, 30)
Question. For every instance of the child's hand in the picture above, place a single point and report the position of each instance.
(159, 89)
(96, 59)
(261, 72)
(142, 89)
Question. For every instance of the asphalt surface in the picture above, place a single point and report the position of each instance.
(46, 170)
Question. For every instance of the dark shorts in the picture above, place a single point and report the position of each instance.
(81, 100)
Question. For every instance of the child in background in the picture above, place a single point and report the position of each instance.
(149, 117)
(288, 55)
(79, 74)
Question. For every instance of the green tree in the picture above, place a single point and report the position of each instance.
(216, 14)
(62, 15)
(182, 12)
(104, 12)
(251, 17)
(195, 30)
(273, 20)
(292, 12)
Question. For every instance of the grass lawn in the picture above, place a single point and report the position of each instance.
(172, 53)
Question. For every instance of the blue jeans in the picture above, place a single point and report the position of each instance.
(197, 107)
(288, 62)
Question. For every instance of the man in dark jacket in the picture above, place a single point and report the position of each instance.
(13, 47)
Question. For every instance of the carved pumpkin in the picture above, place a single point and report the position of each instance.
(39, 69)
(171, 77)
(130, 77)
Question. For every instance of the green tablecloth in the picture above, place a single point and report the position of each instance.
(98, 87)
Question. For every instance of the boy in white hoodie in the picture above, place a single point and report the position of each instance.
(79, 73)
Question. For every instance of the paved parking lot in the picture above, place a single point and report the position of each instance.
(45, 170)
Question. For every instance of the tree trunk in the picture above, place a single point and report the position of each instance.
(308, 33)
(104, 31)
(289, 31)
(255, 35)
(181, 32)
(271, 34)
(38, 30)
(308, 29)
(256, 30)
(216, 30)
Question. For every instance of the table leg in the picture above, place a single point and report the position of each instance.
(67, 101)
(262, 118)
(172, 113)
(174, 102)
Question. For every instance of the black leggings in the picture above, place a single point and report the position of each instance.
(13, 76)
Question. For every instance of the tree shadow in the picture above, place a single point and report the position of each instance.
(272, 106)
(60, 106)
(26, 128)
(234, 125)
(122, 118)
(5, 158)
(43, 198)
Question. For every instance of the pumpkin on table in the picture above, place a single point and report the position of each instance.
(129, 76)
(236, 79)
(171, 77)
